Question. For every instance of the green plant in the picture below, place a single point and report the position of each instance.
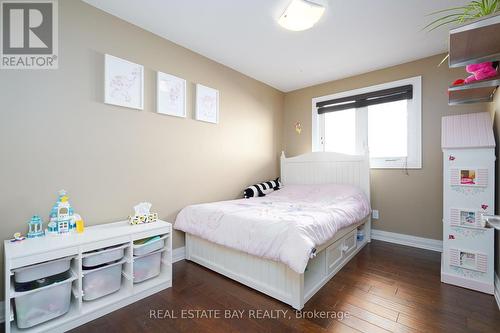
(459, 15)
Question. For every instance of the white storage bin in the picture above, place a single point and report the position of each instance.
(147, 266)
(39, 271)
(102, 281)
(103, 256)
(143, 249)
(39, 305)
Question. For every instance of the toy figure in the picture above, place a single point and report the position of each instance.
(18, 237)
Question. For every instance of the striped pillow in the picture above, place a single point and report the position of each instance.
(261, 189)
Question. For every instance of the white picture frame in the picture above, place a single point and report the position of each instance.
(207, 104)
(123, 83)
(170, 95)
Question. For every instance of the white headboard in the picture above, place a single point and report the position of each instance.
(327, 168)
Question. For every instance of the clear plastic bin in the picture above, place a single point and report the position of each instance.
(39, 271)
(102, 281)
(103, 256)
(360, 235)
(39, 305)
(147, 266)
(143, 249)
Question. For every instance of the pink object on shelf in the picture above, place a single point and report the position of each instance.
(480, 72)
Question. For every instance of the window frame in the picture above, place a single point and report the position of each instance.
(414, 159)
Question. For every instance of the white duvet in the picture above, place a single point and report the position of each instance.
(286, 225)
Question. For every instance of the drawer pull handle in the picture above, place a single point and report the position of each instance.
(345, 248)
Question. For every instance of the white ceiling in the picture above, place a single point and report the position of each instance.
(352, 37)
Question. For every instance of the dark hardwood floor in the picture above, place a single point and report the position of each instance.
(384, 288)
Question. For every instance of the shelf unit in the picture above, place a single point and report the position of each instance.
(475, 42)
(476, 92)
(468, 146)
(33, 251)
(471, 43)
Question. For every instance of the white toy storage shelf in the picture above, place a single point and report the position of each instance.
(142, 269)
(469, 192)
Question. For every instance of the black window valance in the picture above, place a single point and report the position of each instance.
(362, 100)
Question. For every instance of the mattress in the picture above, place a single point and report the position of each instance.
(286, 225)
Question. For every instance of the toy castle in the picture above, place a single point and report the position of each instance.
(61, 219)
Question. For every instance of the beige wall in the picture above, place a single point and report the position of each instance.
(408, 204)
(55, 131)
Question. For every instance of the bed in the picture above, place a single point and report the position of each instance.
(290, 243)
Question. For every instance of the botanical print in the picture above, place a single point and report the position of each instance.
(171, 95)
(123, 83)
(207, 104)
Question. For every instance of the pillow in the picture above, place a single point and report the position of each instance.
(318, 193)
(261, 189)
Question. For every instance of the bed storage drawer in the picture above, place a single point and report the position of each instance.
(338, 251)
(350, 242)
(334, 255)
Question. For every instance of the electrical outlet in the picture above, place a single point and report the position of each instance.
(375, 214)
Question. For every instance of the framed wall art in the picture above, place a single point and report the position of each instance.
(123, 83)
(207, 104)
(170, 95)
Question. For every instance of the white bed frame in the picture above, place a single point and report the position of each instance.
(275, 278)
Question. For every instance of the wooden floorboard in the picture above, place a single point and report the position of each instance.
(385, 288)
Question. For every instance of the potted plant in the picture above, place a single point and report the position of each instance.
(462, 14)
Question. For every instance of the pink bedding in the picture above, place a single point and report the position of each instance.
(286, 225)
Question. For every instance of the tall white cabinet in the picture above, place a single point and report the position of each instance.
(469, 191)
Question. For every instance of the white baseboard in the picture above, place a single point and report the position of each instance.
(402, 239)
(178, 254)
(497, 290)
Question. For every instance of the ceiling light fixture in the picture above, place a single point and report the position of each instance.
(301, 15)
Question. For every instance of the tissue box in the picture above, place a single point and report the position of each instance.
(141, 219)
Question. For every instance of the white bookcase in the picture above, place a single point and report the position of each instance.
(34, 251)
(469, 192)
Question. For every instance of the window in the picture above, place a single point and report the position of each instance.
(340, 131)
(383, 119)
(387, 129)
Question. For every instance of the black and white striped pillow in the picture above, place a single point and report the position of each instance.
(261, 189)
